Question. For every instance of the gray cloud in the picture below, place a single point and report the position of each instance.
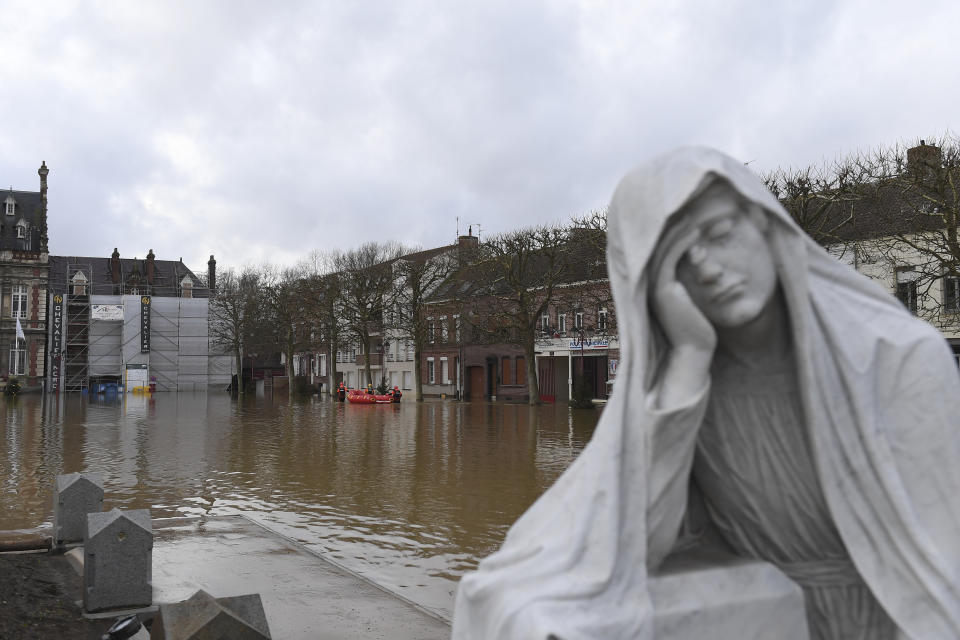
(261, 133)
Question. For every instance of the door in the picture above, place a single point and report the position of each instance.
(546, 380)
(476, 383)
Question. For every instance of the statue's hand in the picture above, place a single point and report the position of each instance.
(684, 324)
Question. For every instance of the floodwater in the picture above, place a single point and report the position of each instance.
(410, 495)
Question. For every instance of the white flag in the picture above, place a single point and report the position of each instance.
(20, 335)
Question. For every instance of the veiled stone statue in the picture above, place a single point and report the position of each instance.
(800, 410)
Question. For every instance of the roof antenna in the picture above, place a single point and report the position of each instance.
(478, 230)
(458, 226)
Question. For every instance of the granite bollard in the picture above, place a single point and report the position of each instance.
(117, 564)
(203, 616)
(74, 496)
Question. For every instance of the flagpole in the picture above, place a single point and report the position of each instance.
(20, 336)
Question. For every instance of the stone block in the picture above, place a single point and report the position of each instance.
(202, 616)
(74, 496)
(722, 597)
(118, 560)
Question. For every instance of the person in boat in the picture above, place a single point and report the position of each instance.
(341, 392)
(396, 394)
(370, 389)
(803, 407)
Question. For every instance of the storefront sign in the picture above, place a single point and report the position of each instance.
(106, 311)
(57, 325)
(55, 371)
(57, 341)
(590, 343)
(145, 324)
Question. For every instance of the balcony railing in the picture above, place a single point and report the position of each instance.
(376, 359)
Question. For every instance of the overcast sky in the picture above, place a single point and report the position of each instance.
(260, 131)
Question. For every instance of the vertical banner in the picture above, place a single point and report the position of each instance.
(145, 324)
(57, 341)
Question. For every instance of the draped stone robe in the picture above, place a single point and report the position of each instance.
(879, 399)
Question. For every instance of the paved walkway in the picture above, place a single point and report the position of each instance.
(304, 595)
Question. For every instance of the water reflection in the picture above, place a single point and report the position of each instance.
(410, 495)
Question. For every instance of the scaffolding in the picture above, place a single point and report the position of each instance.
(101, 348)
(77, 331)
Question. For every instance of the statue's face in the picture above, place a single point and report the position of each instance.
(729, 271)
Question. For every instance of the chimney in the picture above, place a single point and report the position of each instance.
(150, 257)
(43, 171)
(115, 267)
(924, 160)
(468, 241)
(212, 276)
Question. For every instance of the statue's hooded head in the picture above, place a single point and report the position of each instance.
(731, 272)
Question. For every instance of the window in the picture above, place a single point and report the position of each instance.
(79, 284)
(186, 287)
(431, 328)
(545, 323)
(456, 328)
(21, 231)
(578, 320)
(521, 370)
(907, 288)
(10, 205)
(602, 319)
(18, 361)
(19, 305)
(431, 373)
(562, 323)
(444, 371)
(951, 294)
(443, 329)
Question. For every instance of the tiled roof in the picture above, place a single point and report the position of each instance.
(874, 211)
(166, 279)
(27, 207)
(584, 259)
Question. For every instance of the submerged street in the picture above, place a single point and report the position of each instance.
(409, 495)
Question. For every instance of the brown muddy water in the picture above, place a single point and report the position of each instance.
(410, 495)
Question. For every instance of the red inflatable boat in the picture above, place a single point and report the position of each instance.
(357, 396)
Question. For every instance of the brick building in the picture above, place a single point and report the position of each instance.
(24, 276)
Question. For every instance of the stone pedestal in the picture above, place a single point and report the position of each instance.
(203, 616)
(701, 594)
(74, 496)
(117, 560)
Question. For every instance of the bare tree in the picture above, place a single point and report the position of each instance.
(587, 248)
(893, 213)
(366, 288)
(282, 294)
(322, 305)
(515, 282)
(416, 275)
(823, 199)
(233, 313)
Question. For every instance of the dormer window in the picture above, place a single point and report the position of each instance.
(186, 287)
(9, 205)
(79, 284)
(22, 228)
